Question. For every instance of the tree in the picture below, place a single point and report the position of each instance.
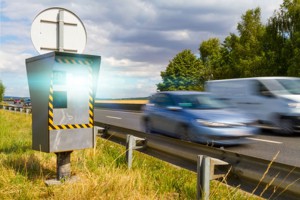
(216, 59)
(184, 72)
(2, 90)
(210, 54)
(283, 39)
(239, 55)
(249, 53)
(229, 64)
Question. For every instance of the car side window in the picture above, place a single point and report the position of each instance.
(162, 100)
(262, 90)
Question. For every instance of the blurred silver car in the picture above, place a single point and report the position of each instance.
(198, 117)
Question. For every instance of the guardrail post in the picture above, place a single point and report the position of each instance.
(205, 172)
(203, 177)
(100, 131)
(129, 141)
(131, 144)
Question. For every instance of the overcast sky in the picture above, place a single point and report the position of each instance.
(136, 39)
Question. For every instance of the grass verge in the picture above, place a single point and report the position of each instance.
(102, 171)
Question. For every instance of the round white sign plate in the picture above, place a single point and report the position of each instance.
(58, 29)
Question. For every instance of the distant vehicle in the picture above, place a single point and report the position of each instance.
(17, 101)
(198, 117)
(274, 101)
(27, 102)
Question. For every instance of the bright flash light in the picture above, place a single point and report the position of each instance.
(71, 89)
(78, 84)
(77, 81)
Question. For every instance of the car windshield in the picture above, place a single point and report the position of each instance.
(196, 101)
(291, 85)
(283, 86)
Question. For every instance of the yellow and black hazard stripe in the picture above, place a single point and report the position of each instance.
(51, 125)
(74, 61)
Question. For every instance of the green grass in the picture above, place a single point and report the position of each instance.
(102, 171)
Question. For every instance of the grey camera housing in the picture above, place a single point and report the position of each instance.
(62, 88)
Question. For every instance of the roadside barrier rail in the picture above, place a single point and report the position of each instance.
(26, 110)
(205, 165)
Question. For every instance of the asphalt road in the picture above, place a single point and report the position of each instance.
(266, 145)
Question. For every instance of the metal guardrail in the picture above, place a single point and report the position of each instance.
(119, 106)
(133, 106)
(205, 166)
(17, 109)
(268, 179)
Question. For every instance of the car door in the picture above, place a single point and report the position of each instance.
(264, 103)
(162, 117)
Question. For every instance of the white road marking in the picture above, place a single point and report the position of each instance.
(112, 117)
(262, 140)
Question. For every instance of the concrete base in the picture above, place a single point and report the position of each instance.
(72, 179)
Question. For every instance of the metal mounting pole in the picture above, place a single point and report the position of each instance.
(63, 165)
(61, 30)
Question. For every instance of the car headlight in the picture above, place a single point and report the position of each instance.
(212, 124)
(218, 124)
(294, 105)
(291, 103)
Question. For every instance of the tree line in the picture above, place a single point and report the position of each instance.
(271, 49)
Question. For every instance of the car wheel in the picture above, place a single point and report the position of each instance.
(182, 132)
(286, 126)
(148, 126)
